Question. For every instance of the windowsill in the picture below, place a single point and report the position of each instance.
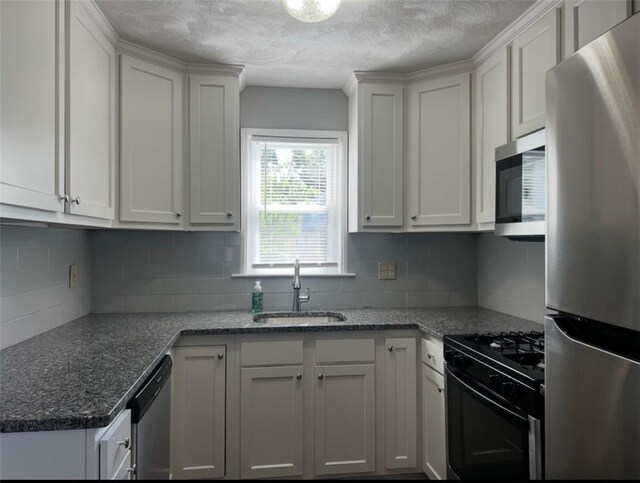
(289, 274)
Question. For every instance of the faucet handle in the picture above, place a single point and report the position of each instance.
(306, 297)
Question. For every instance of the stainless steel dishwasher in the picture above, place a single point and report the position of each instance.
(150, 424)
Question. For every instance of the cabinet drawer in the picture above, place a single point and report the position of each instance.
(271, 353)
(114, 447)
(347, 350)
(432, 354)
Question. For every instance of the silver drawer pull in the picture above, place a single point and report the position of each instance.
(390, 348)
(126, 443)
(298, 376)
(429, 356)
(220, 356)
(440, 389)
(320, 377)
(76, 200)
(229, 214)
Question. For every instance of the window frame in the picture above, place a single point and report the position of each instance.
(341, 183)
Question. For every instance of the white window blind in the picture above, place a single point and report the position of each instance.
(293, 202)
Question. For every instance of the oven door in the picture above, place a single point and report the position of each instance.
(486, 437)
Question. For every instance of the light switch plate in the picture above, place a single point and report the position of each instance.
(73, 275)
(386, 270)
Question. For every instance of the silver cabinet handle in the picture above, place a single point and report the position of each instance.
(64, 198)
(220, 356)
(229, 214)
(367, 217)
(390, 348)
(76, 200)
(414, 217)
(298, 376)
(132, 470)
(126, 443)
(178, 214)
(440, 389)
(429, 356)
(320, 377)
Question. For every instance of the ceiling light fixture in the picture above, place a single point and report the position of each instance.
(311, 11)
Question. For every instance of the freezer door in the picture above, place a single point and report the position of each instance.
(592, 401)
(593, 184)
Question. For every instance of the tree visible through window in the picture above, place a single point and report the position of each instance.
(293, 200)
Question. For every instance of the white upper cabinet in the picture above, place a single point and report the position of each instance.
(214, 157)
(32, 104)
(491, 128)
(534, 52)
(439, 152)
(151, 131)
(584, 20)
(376, 157)
(91, 123)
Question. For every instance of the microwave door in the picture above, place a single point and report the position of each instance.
(509, 185)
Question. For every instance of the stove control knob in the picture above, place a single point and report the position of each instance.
(508, 389)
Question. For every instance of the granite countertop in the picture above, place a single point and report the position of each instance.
(81, 375)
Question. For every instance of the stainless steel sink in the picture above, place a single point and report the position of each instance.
(298, 318)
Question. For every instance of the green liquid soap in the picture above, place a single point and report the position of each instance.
(256, 299)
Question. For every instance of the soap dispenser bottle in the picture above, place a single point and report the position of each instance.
(256, 299)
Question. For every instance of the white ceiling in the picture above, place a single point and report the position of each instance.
(277, 50)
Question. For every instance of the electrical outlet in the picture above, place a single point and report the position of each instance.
(73, 275)
(386, 270)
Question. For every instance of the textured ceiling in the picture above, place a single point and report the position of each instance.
(277, 50)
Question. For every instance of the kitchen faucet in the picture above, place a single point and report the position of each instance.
(297, 298)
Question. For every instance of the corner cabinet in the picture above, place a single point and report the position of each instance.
(214, 130)
(439, 152)
(534, 52)
(151, 159)
(491, 129)
(376, 157)
(199, 412)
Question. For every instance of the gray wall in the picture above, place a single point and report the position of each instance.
(511, 277)
(34, 291)
(289, 108)
(164, 271)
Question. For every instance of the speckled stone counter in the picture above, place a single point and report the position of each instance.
(82, 374)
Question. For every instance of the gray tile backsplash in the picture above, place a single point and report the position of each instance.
(511, 277)
(165, 271)
(34, 291)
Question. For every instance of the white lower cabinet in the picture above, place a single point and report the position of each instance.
(199, 412)
(400, 400)
(271, 421)
(344, 419)
(433, 424)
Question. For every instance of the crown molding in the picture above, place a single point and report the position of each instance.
(350, 88)
(100, 20)
(459, 67)
(537, 10)
(187, 68)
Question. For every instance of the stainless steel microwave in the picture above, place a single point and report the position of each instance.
(521, 187)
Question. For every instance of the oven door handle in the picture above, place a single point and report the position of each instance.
(479, 395)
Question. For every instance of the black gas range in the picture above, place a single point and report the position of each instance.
(495, 405)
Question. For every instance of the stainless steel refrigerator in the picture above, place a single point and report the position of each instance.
(592, 375)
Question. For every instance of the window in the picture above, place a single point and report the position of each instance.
(293, 201)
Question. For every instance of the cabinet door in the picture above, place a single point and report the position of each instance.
(151, 143)
(433, 424)
(439, 158)
(214, 156)
(90, 116)
(584, 20)
(381, 113)
(198, 412)
(534, 52)
(271, 422)
(400, 399)
(32, 104)
(344, 419)
(492, 129)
